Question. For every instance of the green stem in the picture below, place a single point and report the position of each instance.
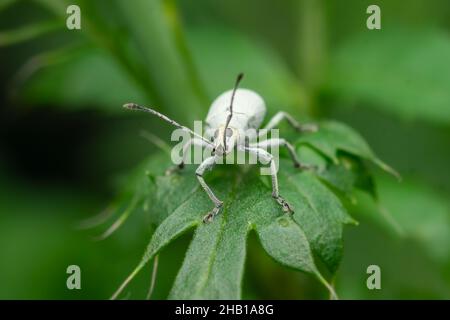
(312, 44)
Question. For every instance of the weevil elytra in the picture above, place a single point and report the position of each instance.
(232, 113)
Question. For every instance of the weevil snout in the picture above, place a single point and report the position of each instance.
(219, 150)
(224, 140)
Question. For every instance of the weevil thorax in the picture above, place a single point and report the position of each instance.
(249, 110)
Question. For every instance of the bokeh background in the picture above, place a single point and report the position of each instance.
(66, 143)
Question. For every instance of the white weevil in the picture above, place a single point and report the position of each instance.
(231, 114)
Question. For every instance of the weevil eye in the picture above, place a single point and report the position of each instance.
(212, 139)
(228, 132)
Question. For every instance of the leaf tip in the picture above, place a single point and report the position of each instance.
(388, 169)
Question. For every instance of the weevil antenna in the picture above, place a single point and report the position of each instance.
(134, 106)
(236, 84)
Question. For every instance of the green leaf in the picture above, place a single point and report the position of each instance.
(4, 4)
(155, 33)
(214, 263)
(220, 272)
(151, 36)
(88, 78)
(25, 33)
(350, 173)
(319, 212)
(213, 266)
(418, 211)
(334, 137)
(142, 38)
(404, 72)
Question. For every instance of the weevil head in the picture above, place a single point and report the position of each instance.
(224, 136)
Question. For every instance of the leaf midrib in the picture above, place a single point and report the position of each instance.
(231, 195)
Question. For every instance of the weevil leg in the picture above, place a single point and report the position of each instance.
(206, 165)
(282, 142)
(186, 148)
(280, 116)
(262, 154)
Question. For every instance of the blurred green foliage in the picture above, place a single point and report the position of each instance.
(387, 72)
(312, 58)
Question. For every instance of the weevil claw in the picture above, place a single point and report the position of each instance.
(285, 206)
(210, 216)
